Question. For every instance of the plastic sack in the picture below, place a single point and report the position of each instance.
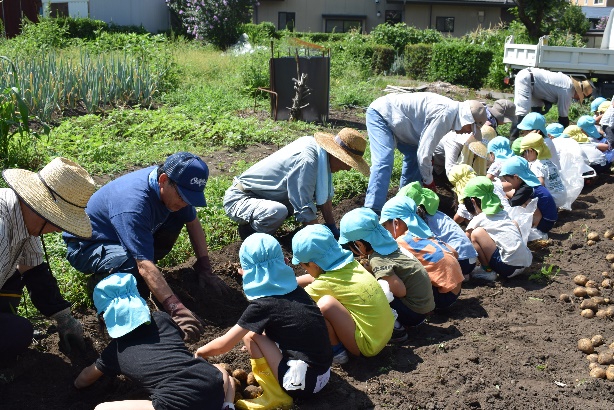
(573, 168)
(523, 216)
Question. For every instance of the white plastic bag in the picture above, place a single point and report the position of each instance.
(572, 168)
(524, 218)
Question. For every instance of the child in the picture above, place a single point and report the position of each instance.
(405, 275)
(595, 107)
(516, 173)
(443, 227)
(354, 306)
(498, 150)
(495, 236)
(535, 151)
(414, 237)
(587, 125)
(279, 312)
(535, 122)
(607, 121)
(554, 130)
(595, 157)
(149, 349)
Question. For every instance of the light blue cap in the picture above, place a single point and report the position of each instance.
(362, 224)
(555, 129)
(587, 124)
(122, 308)
(596, 103)
(500, 147)
(316, 243)
(534, 121)
(519, 166)
(265, 272)
(404, 208)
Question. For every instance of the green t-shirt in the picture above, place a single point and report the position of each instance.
(419, 297)
(358, 291)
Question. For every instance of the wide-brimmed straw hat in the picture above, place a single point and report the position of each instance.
(348, 146)
(583, 88)
(479, 148)
(58, 193)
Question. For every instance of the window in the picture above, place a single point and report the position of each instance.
(286, 21)
(445, 24)
(342, 25)
(596, 2)
(58, 10)
(392, 16)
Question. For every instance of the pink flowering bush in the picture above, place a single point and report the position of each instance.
(217, 22)
(603, 21)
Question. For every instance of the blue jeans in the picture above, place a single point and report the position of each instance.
(382, 144)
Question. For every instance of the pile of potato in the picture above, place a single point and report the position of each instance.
(598, 359)
(593, 237)
(245, 383)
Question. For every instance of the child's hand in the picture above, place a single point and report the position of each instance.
(201, 352)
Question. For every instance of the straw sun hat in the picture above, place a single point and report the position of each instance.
(58, 193)
(583, 88)
(348, 146)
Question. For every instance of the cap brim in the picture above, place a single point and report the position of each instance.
(194, 198)
(327, 142)
(593, 133)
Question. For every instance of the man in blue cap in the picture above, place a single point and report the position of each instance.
(136, 220)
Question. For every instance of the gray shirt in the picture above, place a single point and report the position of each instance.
(556, 88)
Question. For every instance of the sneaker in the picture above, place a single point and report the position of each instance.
(517, 272)
(341, 357)
(399, 335)
(481, 274)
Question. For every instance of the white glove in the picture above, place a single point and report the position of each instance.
(294, 379)
(386, 288)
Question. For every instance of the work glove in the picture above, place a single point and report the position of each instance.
(207, 279)
(70, 331)
(191, 327)
(430, 186)
(333, 228)
(564, 121)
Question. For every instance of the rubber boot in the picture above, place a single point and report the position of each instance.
(273, 396)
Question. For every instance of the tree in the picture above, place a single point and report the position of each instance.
(573, 21)
(539, 15)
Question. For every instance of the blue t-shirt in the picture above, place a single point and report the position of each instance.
(448, 231)
(545, 203)
(129, 211)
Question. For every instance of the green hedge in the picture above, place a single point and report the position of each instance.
(460, 63)
(382, 59)
(417, 60)
(399, 35)
(85, 28)
(260, 33)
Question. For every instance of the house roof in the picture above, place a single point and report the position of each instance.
(500, 3)
(596, 12)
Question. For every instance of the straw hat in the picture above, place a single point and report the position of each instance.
(348, 146)
(58, 193)
(479, 148)
(583, 88)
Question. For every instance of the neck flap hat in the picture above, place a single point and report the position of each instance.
(362, 224)
(421, 196)
(596, 102)
(265, 272)
(459, 176)
(190, 173)
(533, 121)
(348, 146)
(316, 243)
(535, 141)
(516, 146)
(503, 111)
(404, 208)
(483, 188)
(519, 166)
(587, 124)
(500, 147)
(555, 129)
(58, 193)
(575, 132)
(603, 107)
(123, 309)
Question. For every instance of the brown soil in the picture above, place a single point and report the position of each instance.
(511, 345)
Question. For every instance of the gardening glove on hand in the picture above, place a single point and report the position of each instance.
(191, 327)
(207, 279)
(333, 228)
(564, 121)
(70, 331)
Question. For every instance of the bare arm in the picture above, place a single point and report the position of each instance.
(198, 239)
(223, 343)
(88, 376)
(154, 279)
(305, 280)
(397, 287)
(327, 212)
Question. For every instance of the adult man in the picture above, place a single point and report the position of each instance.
(536, 89)
(52, 200)
(136, 220)
(500, 112)
(294, 181)
(414, 124)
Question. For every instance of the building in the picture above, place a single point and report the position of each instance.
(593, 3)
(451, 17)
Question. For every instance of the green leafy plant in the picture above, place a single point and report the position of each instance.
(382, 59)
(546, 274)
(417, 60)
(460, 63)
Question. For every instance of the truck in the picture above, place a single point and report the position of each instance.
(596, 64)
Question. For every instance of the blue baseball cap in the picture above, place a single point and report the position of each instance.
(316, 243)
(555, 129)
(534, 121)
(587, 124)
(122, 308)
(404, 208)
(500, 147)
(596, 102)
(362, 224)
(519, 166)
(265, 272)
(190, 173)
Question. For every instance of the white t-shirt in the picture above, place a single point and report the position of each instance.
(544, 168)
(506, 235)
(498, 190)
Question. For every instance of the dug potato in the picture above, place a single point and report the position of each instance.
(592, 292)
(610, 311)
(588, 313)
(251, 379)
(601, 314)
(591, 366)
(592, 358)
(605, 357)
(598, 373)
(580, 280)
(606, 283)
(237, 382)
(609, 373)
(599, 300)
(226, 367)
(588, 304)
(590, 242)
(564, 297)
(597, 340)
(251, 392)
(586, 346)
(610, 257)
(580, 292)
(240, 375)
(593, 236)
(591, 284)
(608, 234)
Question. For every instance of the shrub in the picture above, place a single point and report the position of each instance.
(492, 39)
(417, 59)
(44, 35)
(79, 27)
(255, 73)
(260, 33)
(382, 59)
(460, 63)
(399, 35)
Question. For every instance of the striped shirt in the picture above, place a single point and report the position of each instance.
(17, 246)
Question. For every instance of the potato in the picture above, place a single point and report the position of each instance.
(585, 346)
(241, 375)
(590, 242)
(605, 274)
(592, 292)
(608, 234)
(598, 300)
(591, 366)
(588, 313)
(611, 346)
(588, 304)
(591, 284)
(226, 367)
(592, 358)
(613, 266)
(609, 373)
(580, 292)
(597, 340)
(564, 297)
(609, 312)
(237, 383)
(251, 379)
(601, 314)
(605, 357)
(251, 392)
(606, 301)
(592, 236)
(610, 257)
(598, 373)
(580, 280)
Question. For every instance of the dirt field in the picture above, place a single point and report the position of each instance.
(511, 345)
